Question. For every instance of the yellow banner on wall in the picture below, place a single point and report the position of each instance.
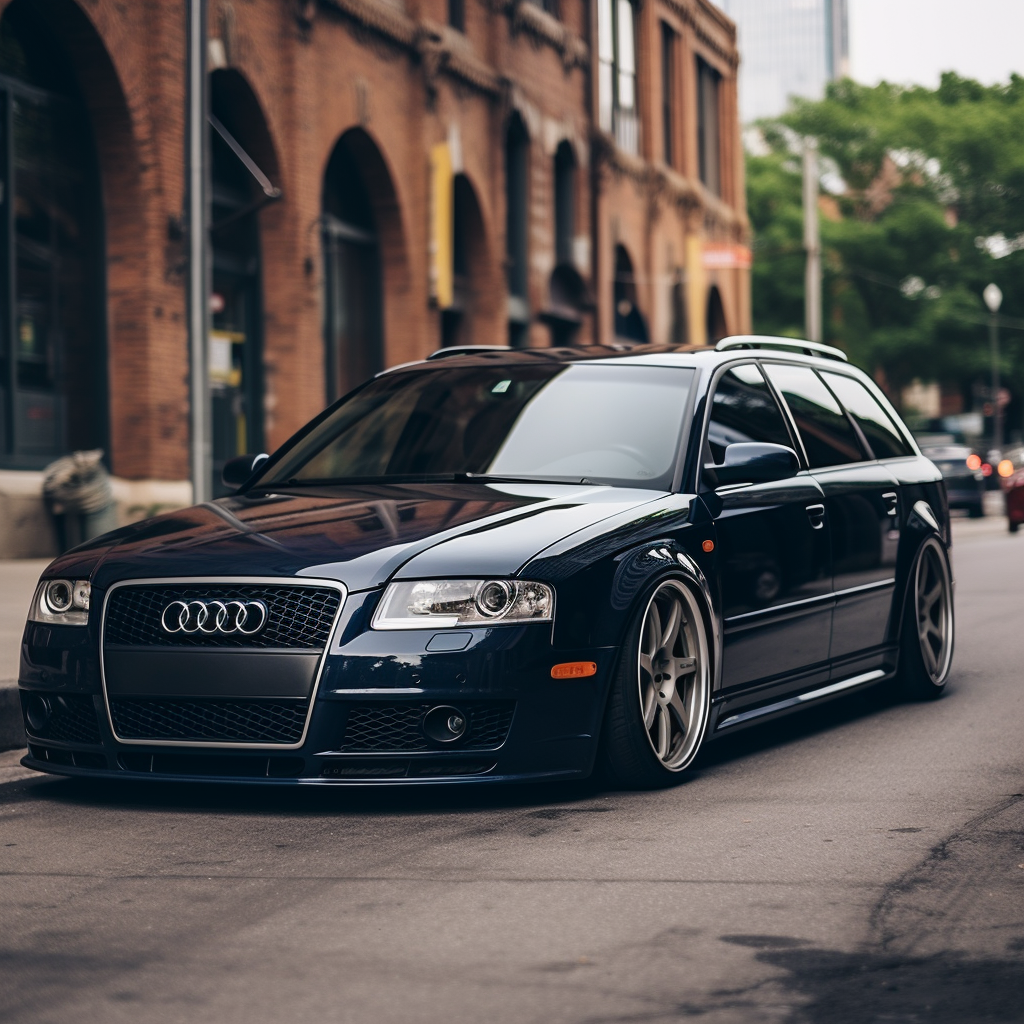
(442, 227)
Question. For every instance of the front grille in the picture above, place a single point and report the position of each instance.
(298, 617)
(206, 721)
(373, 728)
(72, 718)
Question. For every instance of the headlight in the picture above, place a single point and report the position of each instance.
(440, 604)
(61, 602)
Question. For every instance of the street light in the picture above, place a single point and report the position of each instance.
(993, 296)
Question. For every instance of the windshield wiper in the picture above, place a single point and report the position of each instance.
(501, 478)
(421, 478)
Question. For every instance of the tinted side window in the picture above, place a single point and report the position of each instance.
(872, 419)
(828, 436)
(744, 409)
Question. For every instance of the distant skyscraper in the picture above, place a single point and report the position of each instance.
(787, 48)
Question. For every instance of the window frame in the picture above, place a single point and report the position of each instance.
(871, 388)
(614, 66)
(857, 433)
(703, 449)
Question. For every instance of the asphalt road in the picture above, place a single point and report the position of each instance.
(864, 862)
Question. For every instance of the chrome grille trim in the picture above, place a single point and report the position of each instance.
(289, 581)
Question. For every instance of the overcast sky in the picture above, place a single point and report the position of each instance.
(915, 40)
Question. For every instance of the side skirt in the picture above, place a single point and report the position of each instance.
(731, 722)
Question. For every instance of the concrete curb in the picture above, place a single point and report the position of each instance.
(12, 729)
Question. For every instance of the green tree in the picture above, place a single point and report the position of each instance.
(928, 190)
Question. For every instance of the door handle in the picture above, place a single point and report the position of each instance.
(891, 502)
(816, 514)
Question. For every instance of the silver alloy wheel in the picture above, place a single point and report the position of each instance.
(933, 612)
(673, 677)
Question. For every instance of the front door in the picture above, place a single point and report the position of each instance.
(773, 547)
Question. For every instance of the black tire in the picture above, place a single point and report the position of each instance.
(1014, 527)
(976, 511)
(658, 708)
(926, 640)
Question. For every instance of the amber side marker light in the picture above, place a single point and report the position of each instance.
(708, 546)
(574, 670)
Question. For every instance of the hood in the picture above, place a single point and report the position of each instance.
(361, 536)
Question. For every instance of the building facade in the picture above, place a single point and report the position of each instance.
(387, 177)
(790, 48)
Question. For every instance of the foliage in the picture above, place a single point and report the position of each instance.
(927, 176)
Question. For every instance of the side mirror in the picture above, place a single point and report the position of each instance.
(752, 463)
(237, 470)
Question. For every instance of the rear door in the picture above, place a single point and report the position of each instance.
(773, 547)
(862, 507)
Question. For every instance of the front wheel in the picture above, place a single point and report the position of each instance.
(926, 646)
(661, 693)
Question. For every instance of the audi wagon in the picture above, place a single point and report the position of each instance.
(498, 565)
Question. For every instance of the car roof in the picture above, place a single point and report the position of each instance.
(639, 354)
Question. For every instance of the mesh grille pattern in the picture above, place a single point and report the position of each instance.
(226, 721)
(297, 616)
(72, 719)
(389, 727)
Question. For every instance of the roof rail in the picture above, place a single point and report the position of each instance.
(808, 348)
(467, 350)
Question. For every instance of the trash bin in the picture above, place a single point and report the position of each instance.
(77, 493)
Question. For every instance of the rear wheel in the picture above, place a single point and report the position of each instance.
(658, 707)
(926, 647)
(1014, 527)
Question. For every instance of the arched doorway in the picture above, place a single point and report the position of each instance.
(566, 290)
(471, 264)
(242, 169)
(629, 321)
(53, 379)
(517, 213)
(716, 326)
(362, 238)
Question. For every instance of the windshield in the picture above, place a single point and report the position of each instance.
(602, 423)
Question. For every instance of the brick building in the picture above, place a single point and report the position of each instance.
(388, 176)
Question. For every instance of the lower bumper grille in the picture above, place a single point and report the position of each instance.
(224, 721)
(68, 718)
(383, 728)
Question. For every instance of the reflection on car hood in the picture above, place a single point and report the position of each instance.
(359, 535)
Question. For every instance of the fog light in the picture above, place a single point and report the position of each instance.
(37, 712)
(444, 724)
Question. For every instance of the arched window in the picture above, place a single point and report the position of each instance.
(353, 289)
(517, 183)
(565, 202)
(470, 265)
(53, 374)
(716, 326)
(241, 158)
(629, 321)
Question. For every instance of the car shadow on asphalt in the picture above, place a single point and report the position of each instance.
(827, 986)
(419, 799)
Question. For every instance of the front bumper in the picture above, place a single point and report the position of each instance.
(366, 721)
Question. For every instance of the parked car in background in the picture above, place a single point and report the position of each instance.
(1012, 478)
(961, 468)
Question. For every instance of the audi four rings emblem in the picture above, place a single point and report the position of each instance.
(246, 617)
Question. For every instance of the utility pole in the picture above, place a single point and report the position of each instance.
(812, 243)
(993, 297)
(197, 191)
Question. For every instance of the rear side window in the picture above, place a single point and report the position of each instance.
(744, 409)
(827, 434)
(872, 419)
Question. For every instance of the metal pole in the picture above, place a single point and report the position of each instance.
(812, 243)
(997, 409)
(197, 191)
